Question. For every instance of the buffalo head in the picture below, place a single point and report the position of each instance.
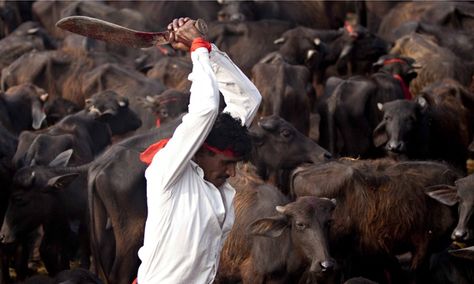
(113, 110)
(401, 126)
(279, 146)
(32, 199)
(308, 220)
(463, 195)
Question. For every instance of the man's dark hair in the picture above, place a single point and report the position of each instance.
(228, 133)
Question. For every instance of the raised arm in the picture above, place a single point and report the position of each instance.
(241, 96)
(168, 164)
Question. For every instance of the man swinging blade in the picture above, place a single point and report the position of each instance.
(190, 208)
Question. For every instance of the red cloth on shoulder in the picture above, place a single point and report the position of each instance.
(147, 155)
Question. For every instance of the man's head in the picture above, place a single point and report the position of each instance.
(227, 143)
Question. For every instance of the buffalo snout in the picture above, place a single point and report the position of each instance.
(327, 265)
(460, 234)
(5, 239)
(6, 236)
(396, 146)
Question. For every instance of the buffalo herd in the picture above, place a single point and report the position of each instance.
(360, 169)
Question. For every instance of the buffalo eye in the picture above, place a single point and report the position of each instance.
(286, 133)
(388, 117)
(300, 226)
(163, 113)
(58, 185)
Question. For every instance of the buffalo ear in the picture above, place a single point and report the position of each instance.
(62, 181)
(379, 135)
(271, 227)
(443, 193)
(38, 115)
(62, 159)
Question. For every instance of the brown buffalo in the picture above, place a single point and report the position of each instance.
(286, 91)
(382, 210)
(456, 14)
(247, 42)
(462, 193)
(22, 108)
(268, 245)
(435, 62)
(27, 37)
(330, 14)
(172, 72)
(77, 77)
(168, 105)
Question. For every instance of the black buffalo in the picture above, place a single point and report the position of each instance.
(436, 125)
(273, 136)
(87, 132)
(348, 108)
(53, 198)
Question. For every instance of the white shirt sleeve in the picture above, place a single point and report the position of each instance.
(168, 164)
(241, 96)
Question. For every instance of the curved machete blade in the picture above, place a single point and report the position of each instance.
(110, 32)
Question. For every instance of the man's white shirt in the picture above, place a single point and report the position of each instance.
(188, 217)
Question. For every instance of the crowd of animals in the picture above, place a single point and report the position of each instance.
(358, 171)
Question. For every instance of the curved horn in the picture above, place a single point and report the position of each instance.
(93, 109)
(32, 30)
(379, 62)
(310, 54)
(280, 209)
(345, 51)
(44, 97)
(279, 40)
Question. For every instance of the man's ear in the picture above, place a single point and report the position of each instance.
(200, 152)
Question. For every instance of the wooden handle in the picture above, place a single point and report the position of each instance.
(201, 26)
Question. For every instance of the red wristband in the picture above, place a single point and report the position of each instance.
(200, 42)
